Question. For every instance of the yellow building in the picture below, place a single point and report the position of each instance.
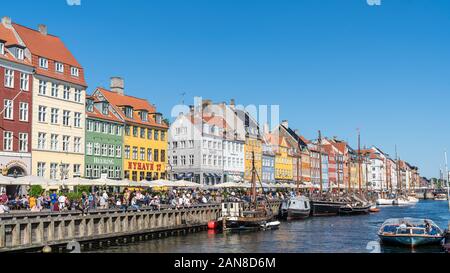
(58, 89)
(253, 145)
(283, 162)
(145, 134)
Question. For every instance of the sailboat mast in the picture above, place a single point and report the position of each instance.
(447, 179)
(320, 161)
(298, 173)
(254, 179)
(359, 163)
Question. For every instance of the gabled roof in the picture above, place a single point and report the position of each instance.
(47, 46)
(118, 101)
(8, 36)
(99, 115)
(298, 138)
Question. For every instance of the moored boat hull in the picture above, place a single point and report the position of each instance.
(411, 241)
(298, 214)
(323, 208)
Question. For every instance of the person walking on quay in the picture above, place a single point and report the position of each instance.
(104, 200)
(53, 200)
(62, 202)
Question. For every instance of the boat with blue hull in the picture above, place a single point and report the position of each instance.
(410, 232)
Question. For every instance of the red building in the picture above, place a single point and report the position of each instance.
(16, 77)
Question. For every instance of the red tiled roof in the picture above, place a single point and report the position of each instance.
(53, 49)
(47, 46)
(8, 36)
(117, 101)
(97, 114)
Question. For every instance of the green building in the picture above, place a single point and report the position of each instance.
(104, 140)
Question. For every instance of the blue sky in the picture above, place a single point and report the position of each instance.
(333, 65)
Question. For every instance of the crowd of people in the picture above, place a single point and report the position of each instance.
(127, 200)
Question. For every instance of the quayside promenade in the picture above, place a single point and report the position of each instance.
(33, 231)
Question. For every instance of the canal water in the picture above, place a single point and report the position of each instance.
(343, 234)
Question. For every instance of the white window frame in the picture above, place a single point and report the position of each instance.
(8, 109)
(54, 116)
(89, 148)
(2, 48)
(42, 87)
(9, 78)
(59, 67)
(77, 120)
(66, 92)
(74, 71)
(66, 144)
(42, 139)
(54, 142)
(8, 141)
(20, 54)
(43, 63)
(24, 82)
(41, 169)
(77, 95)
(77, 144)
(42, 113)
(23, 111)
(54, 90)
(66, 118)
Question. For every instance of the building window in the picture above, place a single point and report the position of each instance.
(77, 144)
(9, 78)
(89, 148)
(105, 127)
(156, 135)
(23, 142)
(97, 127)
(66, 93)
(156, 155)
(118, 151)
(163, 156)
(7, 141)
(41, 141)
(149, 154)
(77, 120)
(175, 160)
(24, 82)
(2, 49)
(66, 142)
(129, 112)
(74, 71)
(142, 132)
(41, 169)
(144, 116)
(104, 150)
(42, 87)
(118, 171)
(127, 130)
(163, 136)
(54, 116)
(66, 118)
(96, 172)
(88, 171)
(191, 160)
(127, 152)
(8, 112)
(53, 170)
(183, 160)
(76, 169)
(111, 152)
(43, 63)
(142, 154)
(20, 54)
(54, 142)
(59, 67)
(42, 113)
(135, 153)
(149, 133)
(77, 95)
(110, 172)
(54, 90)
(135, 131)
(97, 149)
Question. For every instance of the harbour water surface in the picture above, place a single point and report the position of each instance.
(344, 234)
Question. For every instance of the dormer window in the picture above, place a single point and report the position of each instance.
(74, 71)
(20, 54)
(59, 67)
(144, 116)
(43, 63)
(90, 105)
(158, 118)
(128, 112)
(105, 108)
(2, 48)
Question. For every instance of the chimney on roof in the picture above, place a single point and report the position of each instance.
(43, 29)
(6, 21)
(232, 102)
(285, 123)
(117, 85)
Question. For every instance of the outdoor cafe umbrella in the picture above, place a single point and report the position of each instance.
(228, 185)
(31, 180)
(77, 181)
(186, 184)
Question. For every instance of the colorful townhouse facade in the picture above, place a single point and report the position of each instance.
(58, 94)
(16, 76)
(268, 162)
(145, 133)
(104, 139)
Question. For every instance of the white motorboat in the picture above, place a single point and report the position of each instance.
(298, 207)
(402, 202)
(413, 200)
(385, 202)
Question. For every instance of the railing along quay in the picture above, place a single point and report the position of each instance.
(33, 231)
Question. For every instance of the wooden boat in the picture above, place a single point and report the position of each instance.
(298, 207)
(374, 209)
(326, 208)
(354, 209)
(410, 232)
(235, 217)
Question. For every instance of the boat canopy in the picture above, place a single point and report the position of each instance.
(411, 221)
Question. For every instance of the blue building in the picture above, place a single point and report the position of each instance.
(268, 164)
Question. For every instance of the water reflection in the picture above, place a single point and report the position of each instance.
(347, 234)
